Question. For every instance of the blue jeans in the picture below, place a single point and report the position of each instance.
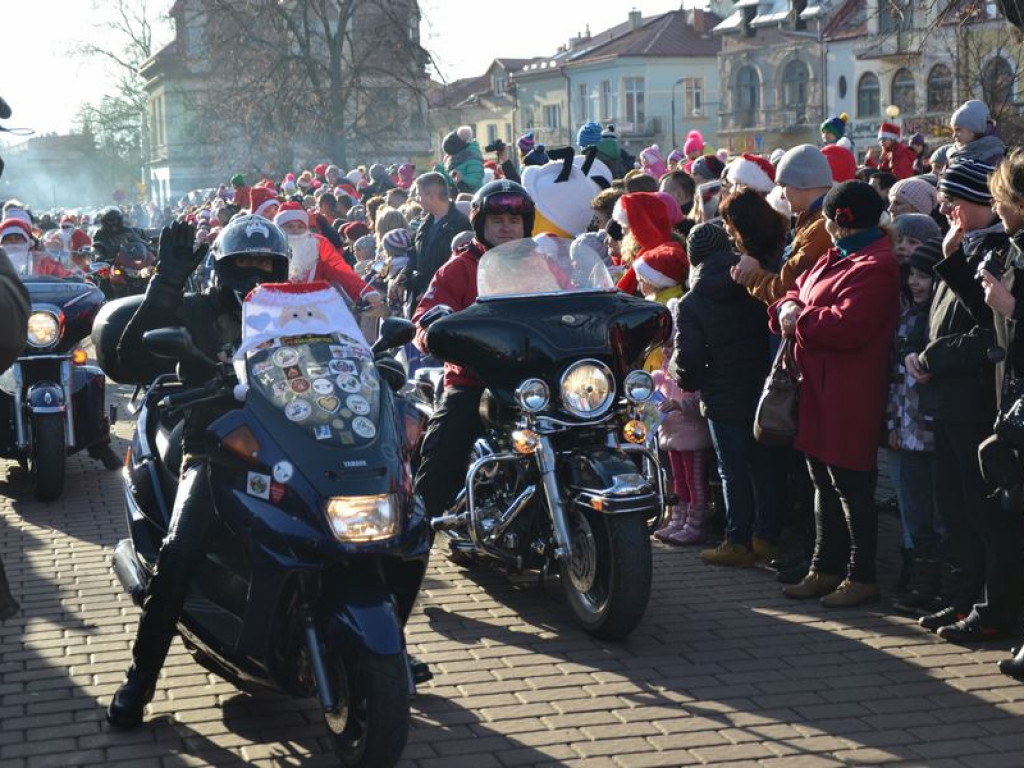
(748, 483)
(912, 473)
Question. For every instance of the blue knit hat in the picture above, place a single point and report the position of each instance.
(536, 156)
(525, 142)
(835, 125)
(588, 134)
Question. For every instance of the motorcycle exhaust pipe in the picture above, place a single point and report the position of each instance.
(127, 570)
(449, 522)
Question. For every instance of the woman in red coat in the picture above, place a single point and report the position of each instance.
(842, 314)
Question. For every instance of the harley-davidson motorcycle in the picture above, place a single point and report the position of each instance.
(54, 401)
(565, 479)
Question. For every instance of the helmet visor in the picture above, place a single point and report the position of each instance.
(509, 203)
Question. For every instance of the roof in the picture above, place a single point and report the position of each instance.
(669, 34)
(458, 92)
(848, 22)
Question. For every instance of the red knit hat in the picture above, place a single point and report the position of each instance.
(354, 230)
(841, 161)
(662, 267)
(889, 131)
(320, 170)
(261, 198)
(291, 211)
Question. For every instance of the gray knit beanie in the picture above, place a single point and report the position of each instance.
(704, 240)
(972, 115)
(804, 167)
(917, 226)
(941, 155)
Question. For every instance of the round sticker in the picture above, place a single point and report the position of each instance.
(298, 410)
(283, 471)
(286, 356)
(363, 427)
(348, 383)
(369, 379)
(357, 404)
(299, 385)
(322, 386)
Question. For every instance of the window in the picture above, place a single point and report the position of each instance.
(868, 96)
(605, 103)
(903, 92)
(842, 86)
(498, 85)
(581, 97)
(195, 38)
(693, 97)
(940, 89)
(748, 96)
(552, 117)
(894, 16)
(492, 132)
(794, 85)
(634, 87)
(997, 82)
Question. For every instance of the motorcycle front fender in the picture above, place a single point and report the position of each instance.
(361, 615)
(45, 397)
(606, 480)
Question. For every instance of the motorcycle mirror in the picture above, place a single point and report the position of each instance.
(394, 332)
(174, 343)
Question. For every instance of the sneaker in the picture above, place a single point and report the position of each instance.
(970, 631)
(934, 621)
(764, 550)
(728, 553)
(814, 584)
(851, 593)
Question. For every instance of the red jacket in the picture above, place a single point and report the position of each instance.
(453, 284)
(899, 161)
(844, 339)
(335, 270)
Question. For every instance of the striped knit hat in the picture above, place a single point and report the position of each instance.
(927, 255)
(967, 180)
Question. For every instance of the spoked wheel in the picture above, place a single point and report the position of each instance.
(46, 461)
(370, 726)
(607, 577)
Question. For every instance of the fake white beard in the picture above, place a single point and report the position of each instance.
(305, 255)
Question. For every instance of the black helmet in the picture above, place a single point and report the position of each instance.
(112, 217)
(501, 196)
(249, 235)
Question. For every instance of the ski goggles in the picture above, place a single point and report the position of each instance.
(503, 202)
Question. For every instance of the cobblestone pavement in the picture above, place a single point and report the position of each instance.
(722, 670)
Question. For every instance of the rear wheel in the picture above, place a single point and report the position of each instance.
(46, 460)
(607, 578)
(370, 726)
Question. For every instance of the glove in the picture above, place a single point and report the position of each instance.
(434, 314)
(176, 258)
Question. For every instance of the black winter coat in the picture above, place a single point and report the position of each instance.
(721, 342)
(427, 261)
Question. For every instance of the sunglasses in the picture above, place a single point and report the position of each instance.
(514, 205)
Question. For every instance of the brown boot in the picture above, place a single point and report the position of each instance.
(727, 553)
(851, 593)
(764, 550)
(814, 584)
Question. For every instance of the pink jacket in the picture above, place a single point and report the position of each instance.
(684, 429)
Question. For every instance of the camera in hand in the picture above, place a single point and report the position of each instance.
(496, 146)
(991, 263)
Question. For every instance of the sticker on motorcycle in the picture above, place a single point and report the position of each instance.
(257, 485)
(348, 383)
(363, 427)
(315, 371)
(299, 386)
(369, 379)
(286, 357)
(322, 431)
(280, 388)
(283, 471)
(323, 386)
(261, 368)
(357, 404)
(329, 403)
(293, 372)
(343, 366)
(298, 410)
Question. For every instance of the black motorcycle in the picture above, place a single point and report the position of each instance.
(317, 538)
(54, 401)
(564, 478)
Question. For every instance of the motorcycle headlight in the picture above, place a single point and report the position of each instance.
(43, 329)
(362, 518)
(639, 386)
(533, 395)
(587, 389)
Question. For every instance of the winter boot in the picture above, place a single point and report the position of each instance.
(126, 708)
(8, 605)
(814, 584)
(694, 531)
(731, 554)
(676, 523)
(923, 597)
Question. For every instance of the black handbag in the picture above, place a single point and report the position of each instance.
(775, 422)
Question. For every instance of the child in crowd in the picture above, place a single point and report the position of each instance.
(910, 231)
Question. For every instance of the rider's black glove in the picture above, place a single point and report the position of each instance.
(177, 257)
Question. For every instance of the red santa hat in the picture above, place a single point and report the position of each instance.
(889, 131)
(291, 211)
(320, 170)
(752, 171)
(15, 226)
(260, 199)
(662, 267)
(841, 161)
(276, 310)
(68, 219)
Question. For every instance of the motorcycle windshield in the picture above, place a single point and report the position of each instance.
(541, 266)
(326, 385)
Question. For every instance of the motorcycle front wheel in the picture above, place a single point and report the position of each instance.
(46, 457)
(607, 577)
(371, 724)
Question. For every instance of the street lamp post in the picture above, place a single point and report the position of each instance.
(677, 82)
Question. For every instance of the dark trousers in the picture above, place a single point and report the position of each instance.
(982, 538)
(846, 521)
(180, 554)
(444, 452)
(748, 482)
